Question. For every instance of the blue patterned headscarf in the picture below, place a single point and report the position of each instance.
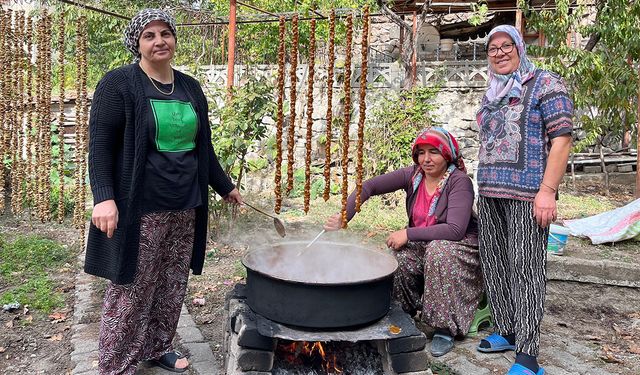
(503, 87)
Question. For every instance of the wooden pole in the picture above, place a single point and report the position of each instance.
(232, 45)
(414, 57)
(519, 23)
(401, 37)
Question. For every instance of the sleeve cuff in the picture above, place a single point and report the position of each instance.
(226, 188)
(102, 194)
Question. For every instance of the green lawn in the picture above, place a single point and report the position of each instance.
(27, 266)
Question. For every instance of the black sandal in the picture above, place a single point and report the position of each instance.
(168, 361)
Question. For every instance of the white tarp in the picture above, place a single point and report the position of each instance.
(611, 226)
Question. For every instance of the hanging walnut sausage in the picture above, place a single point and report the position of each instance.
(347, 119)
(280, 117)
(291, 136)
(307, 159)
(329, 133)
(61, 78)
(363, 105)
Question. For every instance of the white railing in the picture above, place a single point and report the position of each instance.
(451, 74)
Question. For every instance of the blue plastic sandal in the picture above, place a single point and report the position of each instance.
(497, 344)
(518, 369)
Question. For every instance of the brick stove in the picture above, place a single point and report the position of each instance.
(251, 342)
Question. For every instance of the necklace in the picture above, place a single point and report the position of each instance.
(173, 84)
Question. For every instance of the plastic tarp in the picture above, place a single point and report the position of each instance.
(612, 226)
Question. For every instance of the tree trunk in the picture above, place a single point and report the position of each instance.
(410, 42)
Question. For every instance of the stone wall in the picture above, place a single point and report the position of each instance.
(457, 100)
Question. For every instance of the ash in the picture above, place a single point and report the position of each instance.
(360, 358)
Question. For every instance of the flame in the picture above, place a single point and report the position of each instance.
(308, 353)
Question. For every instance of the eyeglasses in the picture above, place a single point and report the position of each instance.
(506, 48)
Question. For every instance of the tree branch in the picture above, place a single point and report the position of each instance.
(394, 17)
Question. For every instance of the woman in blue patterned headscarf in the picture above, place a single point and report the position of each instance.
(525, 126)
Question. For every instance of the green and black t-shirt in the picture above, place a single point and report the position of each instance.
(171, 172)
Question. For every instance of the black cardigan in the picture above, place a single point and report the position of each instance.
(117, 156)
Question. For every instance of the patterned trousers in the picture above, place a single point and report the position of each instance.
(139, 319)
(442, 279)
(513, 255)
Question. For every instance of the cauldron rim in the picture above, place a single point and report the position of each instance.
(389, 257)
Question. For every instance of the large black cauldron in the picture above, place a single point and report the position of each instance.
(329, 285)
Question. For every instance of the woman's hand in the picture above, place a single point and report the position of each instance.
(334, 222)
(544, 207)
(397, 239)
(233, 197)
(105, 217)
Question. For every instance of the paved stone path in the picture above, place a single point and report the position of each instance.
(86, 323)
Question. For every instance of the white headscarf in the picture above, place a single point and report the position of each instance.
(503, 87)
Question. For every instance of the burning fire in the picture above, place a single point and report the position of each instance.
(309, 354)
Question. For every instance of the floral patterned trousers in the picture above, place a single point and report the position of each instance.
(442, 279)
(140, 319)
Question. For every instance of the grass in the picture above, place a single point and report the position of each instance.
(384, 213)
(25, 266)
(572, 206)
(239, 270)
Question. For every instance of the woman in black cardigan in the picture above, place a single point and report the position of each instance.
(150, 164)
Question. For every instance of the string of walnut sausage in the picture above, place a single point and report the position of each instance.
(17, 166)
(29, 123)
(292, 102)
(11, 92)
(280, 117)
(347, 119)
(363, 105)
(307, 160)
(329, 132)
(81, 124)
(61, 79)
(4, 133)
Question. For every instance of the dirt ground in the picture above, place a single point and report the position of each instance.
(32, 342)
(604, 318)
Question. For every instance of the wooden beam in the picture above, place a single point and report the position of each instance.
(232, 45)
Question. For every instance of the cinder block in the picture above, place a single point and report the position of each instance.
(592, 169)
(236, 307)
(625, 168)
(406, 344)
(249, 337)
(255, 360)
(611, 167)
(410, 362)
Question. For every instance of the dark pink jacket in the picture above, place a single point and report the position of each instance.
(454, 216)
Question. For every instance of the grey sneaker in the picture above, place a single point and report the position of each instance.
(441, 344)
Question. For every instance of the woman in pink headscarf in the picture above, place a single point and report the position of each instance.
(438, 273)
(525, 137)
